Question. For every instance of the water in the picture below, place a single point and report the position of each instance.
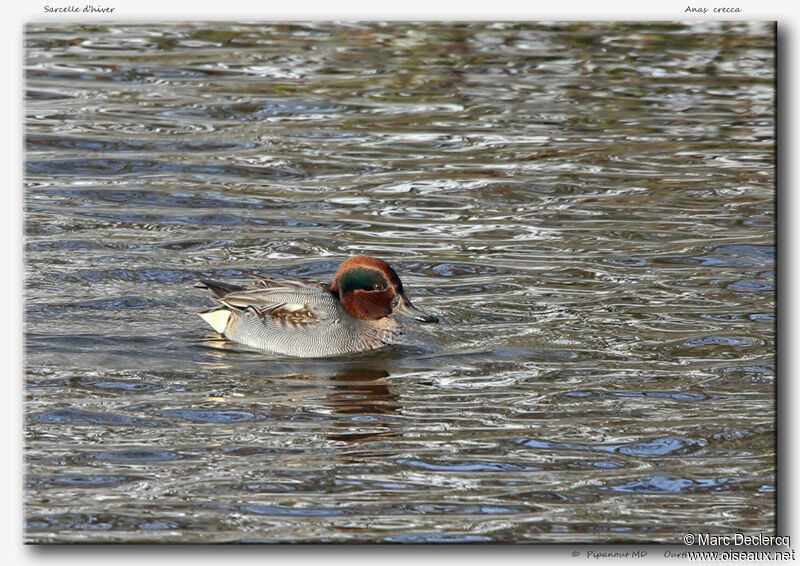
(588, 208)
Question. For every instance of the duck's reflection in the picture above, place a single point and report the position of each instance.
(357, 393)
(362, 391)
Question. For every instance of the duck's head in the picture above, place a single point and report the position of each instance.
(370, 289)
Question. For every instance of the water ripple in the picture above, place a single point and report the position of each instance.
(589, 207)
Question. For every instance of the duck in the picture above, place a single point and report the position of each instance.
(309, 319)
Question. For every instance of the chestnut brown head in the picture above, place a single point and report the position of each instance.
(370, 289)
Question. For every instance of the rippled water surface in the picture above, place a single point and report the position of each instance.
(589, 209)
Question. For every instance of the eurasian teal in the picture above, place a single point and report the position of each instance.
(308, 319)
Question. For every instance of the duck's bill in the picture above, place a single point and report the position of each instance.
(405, 308)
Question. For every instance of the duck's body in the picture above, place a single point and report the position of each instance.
(308, 319)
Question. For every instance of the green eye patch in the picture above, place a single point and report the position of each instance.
(365, 279)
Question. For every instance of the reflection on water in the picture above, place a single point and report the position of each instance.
(587, 207)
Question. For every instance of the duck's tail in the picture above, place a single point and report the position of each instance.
(217, 318)
(219, 289)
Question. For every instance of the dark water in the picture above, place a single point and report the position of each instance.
(589, 209)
